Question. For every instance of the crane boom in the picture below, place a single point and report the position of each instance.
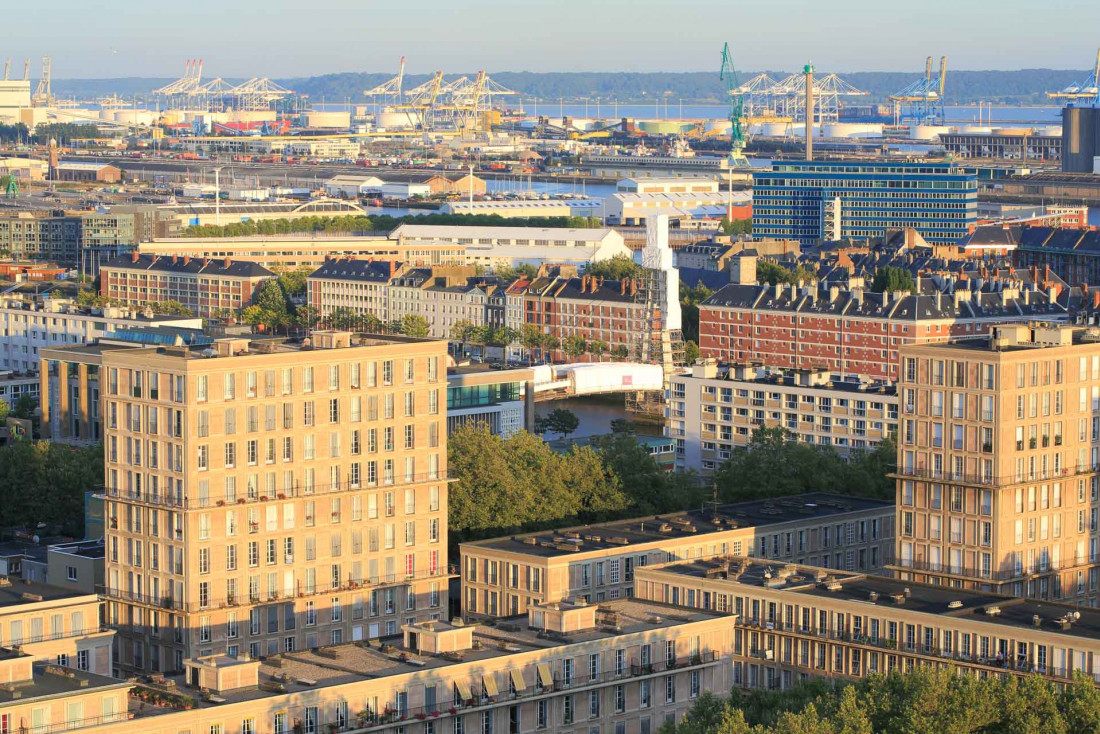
(728, 74)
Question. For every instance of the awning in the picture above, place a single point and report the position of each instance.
(517, 680)
(490, 683)
(463, 690)
(546, 678)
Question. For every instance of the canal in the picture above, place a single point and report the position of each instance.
(596, 412)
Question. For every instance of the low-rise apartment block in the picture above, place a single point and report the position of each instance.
(28, 325)
(445, 296)
(207, 287)
(356, 287)
(597, 563)
(713, 409)
(794, 623)
(54, 624)
(999, 462)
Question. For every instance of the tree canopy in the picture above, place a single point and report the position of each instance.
(892, 279)
(773, 464)
(922, 701)
(616, 268)
(773, 273)
(559, 420)
(735, 226)
(46, 482)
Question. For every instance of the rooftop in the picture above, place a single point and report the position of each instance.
(194, 266)
(16, 592)
(353, 662)
(880, 591)
(53, 680)
(623, 534)
(500, 233)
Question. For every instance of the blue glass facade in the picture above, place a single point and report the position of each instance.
(810, 201)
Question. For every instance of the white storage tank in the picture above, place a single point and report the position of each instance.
(336, 120)
(775, 129)
(134, 117)
(974, 129)
(721, 125)
(927, 132)
(397, 119)
(845, 130)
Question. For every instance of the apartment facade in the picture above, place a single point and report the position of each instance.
(29, 325)
(812, 201)
(597, 563)
(853, 331)
(360, 287)
(444, 296)
(501, 400)
(207, 287)
(265, 496)
(998, 470)
(714, 409)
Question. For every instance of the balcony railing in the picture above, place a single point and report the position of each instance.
(46, 637)
(249, 497)
(73, 724)
(948, 476)
(264, 597)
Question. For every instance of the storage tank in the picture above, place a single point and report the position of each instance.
(722, 125)
(846, 130)
(1012, 131)
(1051, 130)
(974, 129)
(397, 119)
(927, 132)
(663, 127)
(334, 120)
(134, 117)
(776, 129)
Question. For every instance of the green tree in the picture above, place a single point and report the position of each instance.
(45, 482)
(735, 227)
(598, 348)
(620, 352)
(519, 483)
(413, 324)
(892, 279)
(342, 318)
(690, 298)
(461, 331)
(307, 317)
(24, 407)
(561, 421)
(5, 410)
(293, 281)
(651, 489)
(691, 352)
(170, 308)
(616, 268)
(574, 346)
(530, 338)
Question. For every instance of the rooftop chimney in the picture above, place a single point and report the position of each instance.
(134, 256)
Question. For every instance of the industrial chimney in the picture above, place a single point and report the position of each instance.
(809, 71)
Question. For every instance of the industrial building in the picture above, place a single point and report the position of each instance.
(15, 95)
(712, 410)
(509, 246)
(94, 172)
(205, 213)
(307, 250)
(528, 208)
(815, 201)
(597, 563)
(25, 169)
(1081, 139)
(351, 185)
(1014, 144)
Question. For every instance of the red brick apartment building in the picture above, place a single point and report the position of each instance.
(854, 331)
(204, 285)
(593, 308)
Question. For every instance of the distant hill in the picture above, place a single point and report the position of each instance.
(1021, 87)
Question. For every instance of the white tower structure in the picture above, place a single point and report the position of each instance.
(665, 278)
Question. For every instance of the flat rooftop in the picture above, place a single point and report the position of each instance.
(623, 534)
(18, 592)
(51, 680)
(856, 386)
(353, 662)
(880, 591)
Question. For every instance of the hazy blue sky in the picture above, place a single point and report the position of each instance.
(281, 38)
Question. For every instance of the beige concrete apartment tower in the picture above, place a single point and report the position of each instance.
(999, 462)
(264, 496)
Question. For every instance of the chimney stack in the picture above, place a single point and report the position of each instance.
(227, 263)
(809, 71)
(134, 256)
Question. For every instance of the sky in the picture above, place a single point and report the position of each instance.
(284, 38)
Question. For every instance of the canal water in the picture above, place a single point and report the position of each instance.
(595, 413)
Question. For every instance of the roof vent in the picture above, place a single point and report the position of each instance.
(873, 596)
(954, 604)
(1036, 620)
(993, 610)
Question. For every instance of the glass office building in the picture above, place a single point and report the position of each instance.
(812, 201)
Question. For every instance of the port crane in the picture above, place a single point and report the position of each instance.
(921, 103)
(1088, 90)
(728, 74)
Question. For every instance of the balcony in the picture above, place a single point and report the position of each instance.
(191, 503)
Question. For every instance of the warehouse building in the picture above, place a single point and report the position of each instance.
(95, 172)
